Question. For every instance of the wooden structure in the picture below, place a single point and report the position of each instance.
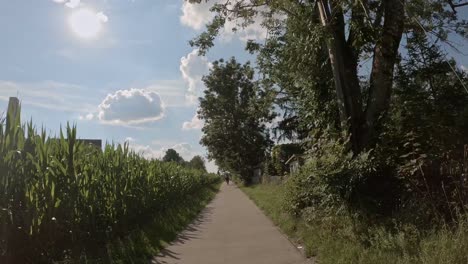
(295, 162)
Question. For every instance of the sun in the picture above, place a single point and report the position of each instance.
(85, 23)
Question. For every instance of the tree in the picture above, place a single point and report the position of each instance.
(352, 34)
(172, 156)
(197, 162)
(235, 112)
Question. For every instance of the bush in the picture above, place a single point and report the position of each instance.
(330, 177)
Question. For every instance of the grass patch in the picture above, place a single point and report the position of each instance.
(269, 198)
(334, 240)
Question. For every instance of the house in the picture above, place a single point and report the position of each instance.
(294, 163)
(257, 174)
(93, 142)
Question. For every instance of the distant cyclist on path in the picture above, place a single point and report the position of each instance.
(226, 177)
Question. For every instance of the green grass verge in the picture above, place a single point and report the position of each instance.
(335, 241)
(269, 198)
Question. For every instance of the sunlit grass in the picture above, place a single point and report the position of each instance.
(333, 240)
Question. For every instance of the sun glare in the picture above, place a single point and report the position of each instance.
(85, 23)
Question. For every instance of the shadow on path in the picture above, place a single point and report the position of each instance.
(190, 233)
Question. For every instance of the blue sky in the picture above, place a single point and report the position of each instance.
(136, 79)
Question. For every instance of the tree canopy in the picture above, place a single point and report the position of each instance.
(309, 41)
(172, 156)
(365, 86)
(198, 163)
(235, 112)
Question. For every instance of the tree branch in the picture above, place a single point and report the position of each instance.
(454, 6)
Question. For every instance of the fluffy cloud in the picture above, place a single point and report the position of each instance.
(185, 150)
(254, 31)
(73, 3)
(193, 67)
(89, 116)
(211, 166)
(129, 139)
(196, 16)
(146, 151)
(464, 68)
(195, 123)
(128, 107)
(69, 3)
(102, 17)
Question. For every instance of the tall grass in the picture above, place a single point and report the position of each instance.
(60, 198)
(335, 240)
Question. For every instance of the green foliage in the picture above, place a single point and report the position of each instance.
(235, 112)
(394, 169)
(295, 64)
(145, 243)
(172, 156)
(198, 163)
(316, 54)
(280, 155)
(332, 238)
(331, 177)
(62, 199)
(425, 133)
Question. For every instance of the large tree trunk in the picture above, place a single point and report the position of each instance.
(381, 80)
(344, 61)
(344, 67)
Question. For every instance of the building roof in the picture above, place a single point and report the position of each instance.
(293, 157)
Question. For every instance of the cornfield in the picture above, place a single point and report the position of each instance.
(60, 197)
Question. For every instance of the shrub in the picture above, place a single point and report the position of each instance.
(330, 177)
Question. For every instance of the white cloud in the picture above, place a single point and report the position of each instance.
(193, 67)
(138, 106)
(464, 68)
(146, 151)
(253, 31)
(185, 150)
(129, 139)
(195, 123)
(196, 16)
(128, 107)
(88, 117)
(102, 17)
(211, 166)
(73, 3)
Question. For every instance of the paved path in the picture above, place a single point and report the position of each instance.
(231, 230)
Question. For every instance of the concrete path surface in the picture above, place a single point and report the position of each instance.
(231, 230)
